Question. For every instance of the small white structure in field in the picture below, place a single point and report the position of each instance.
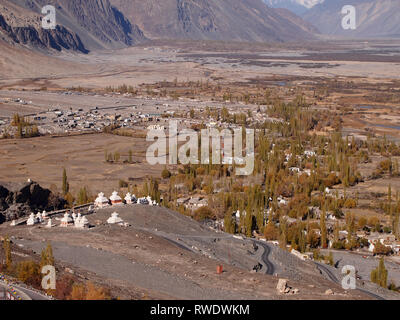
(31, 220)
(115, 219)
(115, 199)
(44, 215)
(130, 199)
(66, 220)
(39, 217)
(81, 222)
(50, 224)
(73, 216)
(13, 223)
(101, 201)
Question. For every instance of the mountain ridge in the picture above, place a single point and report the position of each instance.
(374, 18)
(230, 20)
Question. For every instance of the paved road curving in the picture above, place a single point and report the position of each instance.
(265, 258)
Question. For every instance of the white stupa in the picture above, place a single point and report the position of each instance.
(50, 224)
(115, 199)
(39, 217)
(66, 220)
(115, 219)
(73, 216)
(31, 220)
(101, 201)
(81, 222)
(130, 199)
(44, 215)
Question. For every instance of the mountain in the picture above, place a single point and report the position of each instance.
(230, 20)
(374, 18)
(296, 6)
(81, 25)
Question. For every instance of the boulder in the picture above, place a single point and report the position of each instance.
(329, 292)
(20, 199)
(282, 285)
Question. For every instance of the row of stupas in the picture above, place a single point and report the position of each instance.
(102, 201)
(38, 218)
(78, 221)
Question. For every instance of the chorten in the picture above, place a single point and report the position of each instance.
(81, 222)
(115, 219)
(39, 217)
(66, 220)
(130, 199)
(31, 220)
(115, 198)
(50, 224)
(101, 201)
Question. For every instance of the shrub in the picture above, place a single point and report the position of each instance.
(203, 213)
(165, 174)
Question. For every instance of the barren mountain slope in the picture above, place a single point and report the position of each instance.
(374, 18)
(94, 23)
(243, 20)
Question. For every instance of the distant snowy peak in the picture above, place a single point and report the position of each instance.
(306, 3)
(296, 6)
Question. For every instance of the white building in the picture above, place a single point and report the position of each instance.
(101, 201)
(44, 215)
(32, 220)
(66, 220)
(81, 222)
(130, 199)
(39, 217)
(115, 199)
(50, 224)
(115, 219)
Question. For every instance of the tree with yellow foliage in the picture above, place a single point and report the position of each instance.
(7, 253)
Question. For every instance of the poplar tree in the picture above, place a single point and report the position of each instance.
(7, 252)
(65, 184)
(323, 228)
(380, 274)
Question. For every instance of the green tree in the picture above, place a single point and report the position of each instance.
(83, 196)
(165, 174)
(323, 229)
(7, 252)
(46, 257)
(380, 274)
(130, 157)
(65, 184)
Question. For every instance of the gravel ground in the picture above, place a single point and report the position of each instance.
(112, 266)
(364, 264)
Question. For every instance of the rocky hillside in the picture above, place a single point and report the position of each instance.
(374, 18)
(18, 200)
(239, 20)
(82, 25)
(58, 39)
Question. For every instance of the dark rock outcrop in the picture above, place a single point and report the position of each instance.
(18, 200)
(57, 39)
